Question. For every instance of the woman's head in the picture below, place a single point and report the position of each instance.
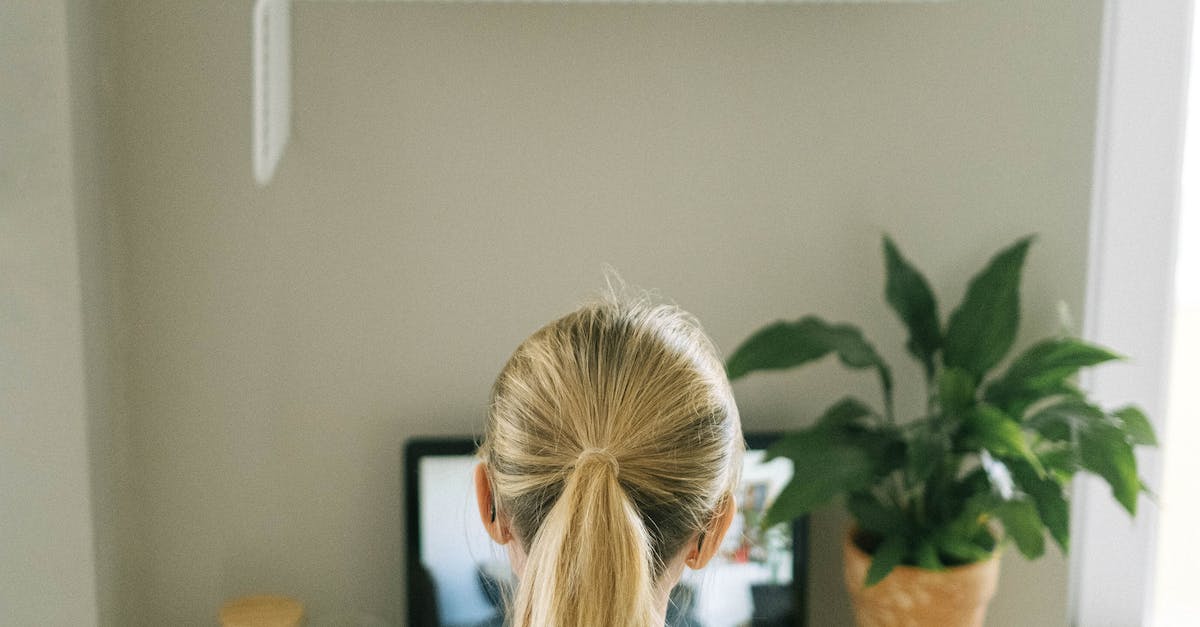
(612, 448)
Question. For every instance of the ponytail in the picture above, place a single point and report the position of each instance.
(611, 439)
(590, 561)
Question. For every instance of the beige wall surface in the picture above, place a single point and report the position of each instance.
(48, 572)
(457, 176)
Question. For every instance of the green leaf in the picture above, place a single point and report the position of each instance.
(983, 538)
(784, 345)
(981, 331)
(956, 391)
(835, 426)
(927, 556)
(1105, 451)
(1061, 461)
(1042, 370)
(1017, 402)
(1065, 420)
(883, 444)
(966, 537)
(1136, 426)
(887, 557)
(846, 412)
(909, 295)
(1098, 442)
(926, 450)
(959, 502)
(963, 549)
(1024, 526)
(1051, 501)
(822, 468)
(839, 454)
(778, 346)
(990, 429)
(874, 516)
(799, 443)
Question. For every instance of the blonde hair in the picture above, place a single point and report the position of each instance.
(612, 438)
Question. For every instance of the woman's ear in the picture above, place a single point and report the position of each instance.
(493, 522)
(710, 539)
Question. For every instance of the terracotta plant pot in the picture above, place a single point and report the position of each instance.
(915, 597)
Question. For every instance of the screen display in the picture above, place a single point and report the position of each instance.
(465, 575)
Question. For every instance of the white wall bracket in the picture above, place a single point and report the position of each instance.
(272, 85)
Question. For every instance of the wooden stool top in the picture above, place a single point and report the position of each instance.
(262, 611)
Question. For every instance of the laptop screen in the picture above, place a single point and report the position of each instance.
(458, 577)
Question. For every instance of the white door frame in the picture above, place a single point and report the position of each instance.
(1130, 292)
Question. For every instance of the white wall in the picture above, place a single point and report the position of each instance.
(48, 575)
(457, 176)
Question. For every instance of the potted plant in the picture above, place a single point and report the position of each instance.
(988, 461)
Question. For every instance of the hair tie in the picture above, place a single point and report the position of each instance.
(598, 455)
